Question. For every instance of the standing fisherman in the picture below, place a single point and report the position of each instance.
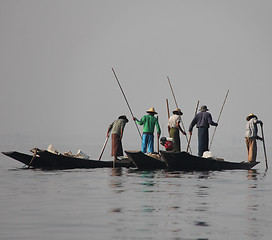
(202, 120)
(149, 122)
(174, 128)
(117, 131)
(251, 136)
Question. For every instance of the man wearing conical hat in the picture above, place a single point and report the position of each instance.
(251, 136)
(149, 122)
(174, 128)
(202, 120)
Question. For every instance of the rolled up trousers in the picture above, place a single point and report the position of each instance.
(251, 144)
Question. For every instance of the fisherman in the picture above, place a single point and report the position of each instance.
(174, 128)
(251, 136)
(117, 131)
(202, 120)
(149, 122)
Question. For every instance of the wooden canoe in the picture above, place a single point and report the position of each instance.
(50, 161)
(184, 161)
(37, 162)
(145, 162)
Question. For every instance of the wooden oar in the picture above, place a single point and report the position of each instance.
(191, 135)
(104, 146)
(34, 155)
(219, 118)
(265, 157)
(177, 107)
(126, 101)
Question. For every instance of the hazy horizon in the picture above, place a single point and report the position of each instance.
(57, 59)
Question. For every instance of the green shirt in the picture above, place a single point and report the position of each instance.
(149, 123)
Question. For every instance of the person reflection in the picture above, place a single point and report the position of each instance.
(116, 179)
(252, 174)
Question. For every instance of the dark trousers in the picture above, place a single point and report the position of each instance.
(174, 133)
(203, 140)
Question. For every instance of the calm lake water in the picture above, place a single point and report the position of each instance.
(129, 204)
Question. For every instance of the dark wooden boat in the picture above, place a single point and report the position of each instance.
(37, 162)
(145, 162)
(184, 161)
(50, 161)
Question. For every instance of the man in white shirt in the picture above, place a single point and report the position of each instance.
(174, 128)
(251, 136)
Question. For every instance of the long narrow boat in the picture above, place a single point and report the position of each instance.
(51, 161)
(145, 162)
(186, 162)
(37, 161)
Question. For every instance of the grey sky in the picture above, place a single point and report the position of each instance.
(56, 59)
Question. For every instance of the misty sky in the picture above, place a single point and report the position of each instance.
(56, 57)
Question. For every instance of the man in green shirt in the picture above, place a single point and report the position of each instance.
(149, 122)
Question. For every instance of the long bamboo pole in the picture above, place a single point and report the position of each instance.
(158, 139)
(191, 135)
(265, 156)
(126, 101)
(177, 107)
(103, 148)
(219, 118)
(167, 106)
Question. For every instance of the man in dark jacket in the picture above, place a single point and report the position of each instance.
(202, 120)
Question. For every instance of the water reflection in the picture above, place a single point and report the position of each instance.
(202, 204)
(116, 181)
(253, 204)
(117, 172)
(252, 174)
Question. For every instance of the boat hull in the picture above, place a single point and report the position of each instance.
(50, 161)
(66, 162)
(37, 161)
(186, 162)
(145, 162)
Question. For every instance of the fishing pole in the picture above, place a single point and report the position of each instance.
(191, 134)
(219, 117)
(126, 101)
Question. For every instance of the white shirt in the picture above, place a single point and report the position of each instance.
(173, 120)
(251, 128)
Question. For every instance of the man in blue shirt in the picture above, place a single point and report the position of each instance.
(202, 120)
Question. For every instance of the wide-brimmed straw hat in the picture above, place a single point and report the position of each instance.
(251, 115)
(178, 111)
(203, 108)
(152, 110)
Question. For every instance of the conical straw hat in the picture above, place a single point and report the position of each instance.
(178, 111)
(151, 110)
(251, 115)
